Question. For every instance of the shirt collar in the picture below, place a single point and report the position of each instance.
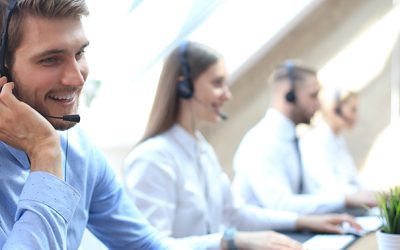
(280, 124)
(325, 127)
(327, 131)
(191, 144)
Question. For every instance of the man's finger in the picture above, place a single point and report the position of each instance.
(3, 80)
(350, 219)
(8, 86)
(6, 92)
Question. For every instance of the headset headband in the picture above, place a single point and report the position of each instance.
(291, 95)
(185, 88)
(184, 62)
(12, 4)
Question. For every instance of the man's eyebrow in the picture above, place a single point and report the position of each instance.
(85, 45)
(58, 51)
(49, 53)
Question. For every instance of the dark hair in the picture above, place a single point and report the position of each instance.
(40, 8)
(166, 103)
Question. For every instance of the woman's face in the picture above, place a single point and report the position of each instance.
(210, 93)
(349, 112)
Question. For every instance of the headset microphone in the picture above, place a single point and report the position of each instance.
(68, 118)
(222, 115)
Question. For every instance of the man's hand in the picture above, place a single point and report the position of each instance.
(23, 127)
(329, 223)
(363, 198)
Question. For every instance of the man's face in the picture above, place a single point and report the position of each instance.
(307, 102)
(49, 67)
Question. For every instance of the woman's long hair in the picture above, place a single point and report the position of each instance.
(165, 108)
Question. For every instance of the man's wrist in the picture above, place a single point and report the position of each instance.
(47, 159)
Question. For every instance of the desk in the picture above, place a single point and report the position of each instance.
(367, 242)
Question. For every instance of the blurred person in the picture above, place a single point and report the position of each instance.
(54, 182)
(328, 164)
(174, 176)
(268, 164)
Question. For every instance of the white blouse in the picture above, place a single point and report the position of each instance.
(178, 184)
(328, 162)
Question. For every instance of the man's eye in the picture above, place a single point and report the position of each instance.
(49, 60)
(80, 54)
(218, 83)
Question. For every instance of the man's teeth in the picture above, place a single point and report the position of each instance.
(56, 97)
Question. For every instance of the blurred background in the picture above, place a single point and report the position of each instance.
(353, 44)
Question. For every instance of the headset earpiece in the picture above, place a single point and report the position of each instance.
(338, 104)
(338, 110)
(338, 107)
(4, 38)
(184, 87)
(291, 95)
(5, 72)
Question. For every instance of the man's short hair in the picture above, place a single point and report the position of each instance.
(291, 70)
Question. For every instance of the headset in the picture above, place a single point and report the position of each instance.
(184, 87)
(338, 106)
(12, 4)
(291, 95)
(338, 103)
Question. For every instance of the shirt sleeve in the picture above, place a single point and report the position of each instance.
(45, 207)
(202, 242)
(115, 220)
(251, 218)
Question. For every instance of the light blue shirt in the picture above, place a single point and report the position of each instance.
(40, 211)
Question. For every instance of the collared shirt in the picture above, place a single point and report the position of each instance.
(328, 162)
(40, 211)
(267, 169)
(176, 180)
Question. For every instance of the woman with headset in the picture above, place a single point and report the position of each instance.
(329, 165)
(174, 176)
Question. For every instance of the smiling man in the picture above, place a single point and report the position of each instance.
(54, 183)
